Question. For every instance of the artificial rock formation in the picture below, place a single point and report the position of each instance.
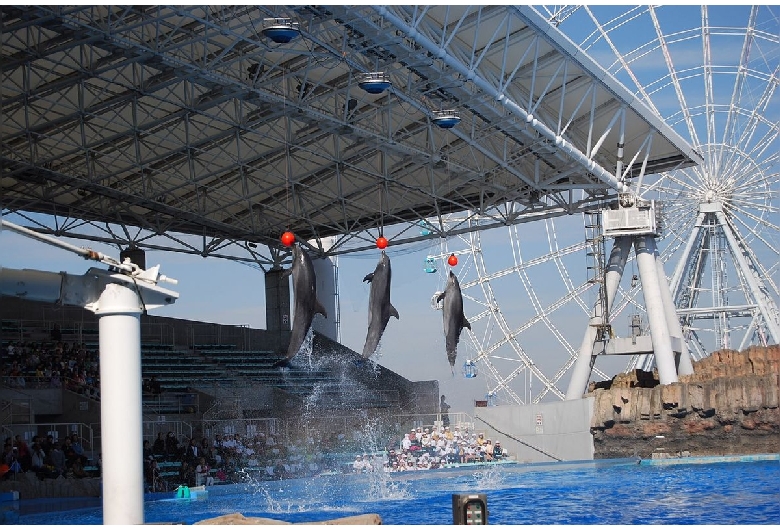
(729, 405)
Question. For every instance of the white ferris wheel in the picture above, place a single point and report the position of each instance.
(713, 74)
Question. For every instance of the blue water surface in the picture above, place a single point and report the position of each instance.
(618, 492)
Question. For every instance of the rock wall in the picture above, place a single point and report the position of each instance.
(729, 405)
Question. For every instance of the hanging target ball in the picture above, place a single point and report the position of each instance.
(381, 242)
(452, 260)
(288, 239)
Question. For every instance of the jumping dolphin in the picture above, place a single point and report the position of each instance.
(379, 307)
(454, 319)
(306, 303)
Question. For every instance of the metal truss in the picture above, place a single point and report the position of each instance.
(187, 129)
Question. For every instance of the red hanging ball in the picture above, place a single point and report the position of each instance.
(381, 242)
(288, 239)
(452, 260)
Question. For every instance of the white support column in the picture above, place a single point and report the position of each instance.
(584, 363)
(116, 297)
(119, 309)
(684, 365)
(644, 246)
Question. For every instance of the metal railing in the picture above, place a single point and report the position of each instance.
(26, 330)
(161, 425)
(59, 432)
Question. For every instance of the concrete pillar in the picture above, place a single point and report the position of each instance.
(684, 363)
(583, 365)
(645, 249)
(277, 300)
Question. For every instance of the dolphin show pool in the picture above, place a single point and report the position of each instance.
(594, 492)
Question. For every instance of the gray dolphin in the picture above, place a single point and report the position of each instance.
(306, 303)
(379, 307)
(454, 319)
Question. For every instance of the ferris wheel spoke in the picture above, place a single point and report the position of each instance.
(686, 180)
(758, 110)
(707, 77)
(624, 64)
(674, 77)
(749, 250)
(562, 271)
(758, 221)
(729, 130)
(756, 197)
(768, 141)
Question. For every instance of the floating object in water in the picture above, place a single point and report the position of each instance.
(183, 492)
(195, 492)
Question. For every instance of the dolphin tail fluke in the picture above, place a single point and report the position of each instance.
(318, 308)
(369, 277)
(394, 312)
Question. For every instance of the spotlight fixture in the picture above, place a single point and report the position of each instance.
(374, 82)
(280, 30)
(446, 119)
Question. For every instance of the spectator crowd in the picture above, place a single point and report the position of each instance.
(431, 448)
(54, 364)
(232, 458)
(46, 457)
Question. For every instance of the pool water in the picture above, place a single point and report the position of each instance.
(600, 492)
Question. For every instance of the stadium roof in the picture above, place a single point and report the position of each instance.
(176, 121)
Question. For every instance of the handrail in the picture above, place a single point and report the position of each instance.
(40, 331)
(59, 430)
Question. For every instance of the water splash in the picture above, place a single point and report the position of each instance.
(383, 487)
(490, 478)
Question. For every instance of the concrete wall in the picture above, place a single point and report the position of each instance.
(559, 430)
(46, 401)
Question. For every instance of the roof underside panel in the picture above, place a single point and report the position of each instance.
(190, 120)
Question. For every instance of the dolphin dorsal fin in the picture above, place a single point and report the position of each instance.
(394, 312)
(369, 277)
(318, 308)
